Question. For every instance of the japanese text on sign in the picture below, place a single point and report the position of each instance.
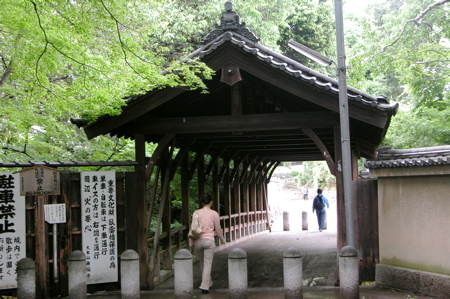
(12, 228)
(55, 213)
(40, 180)
(98, 195)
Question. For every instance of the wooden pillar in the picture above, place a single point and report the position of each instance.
(139, 205)
(167, 241)
(186, 213)
(165, 183)
(42, 274)
(167, 217)
(154, 258)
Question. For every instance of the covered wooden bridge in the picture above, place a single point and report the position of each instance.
(261, 109)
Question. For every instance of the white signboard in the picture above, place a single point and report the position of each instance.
(12, 228)
(99, 230)
(55, 213)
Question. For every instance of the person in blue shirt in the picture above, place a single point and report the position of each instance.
(319, 204)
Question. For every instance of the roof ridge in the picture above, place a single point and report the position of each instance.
(230, 21)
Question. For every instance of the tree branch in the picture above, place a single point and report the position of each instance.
(428, 9)
(123, 45)
(114, 151)
(48, 42)
(17, 151)
(415, 20)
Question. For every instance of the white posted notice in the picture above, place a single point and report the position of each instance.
(99, 230)
(12, 228)
(55, 213)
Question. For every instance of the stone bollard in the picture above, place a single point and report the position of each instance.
(183, 275)
(26, 279)
(77, 275)
(349, 272)
(325, 220)
(292, 274)
(237, 274)
(129, 274)
(285, 221)
(304, 220)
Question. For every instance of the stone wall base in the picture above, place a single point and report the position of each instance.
(425, 283)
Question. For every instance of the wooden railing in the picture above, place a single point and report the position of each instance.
(234, 227)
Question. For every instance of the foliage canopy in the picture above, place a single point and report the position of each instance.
(78, 58)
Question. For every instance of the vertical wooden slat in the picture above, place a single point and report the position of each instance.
(368, 242)
(227, 203)
(42, 273)
(260, 203)
(236, 99)
(254, 207)
(245, 199)
(237, 207)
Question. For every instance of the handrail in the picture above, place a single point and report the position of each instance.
(221, 218)
(172, 232)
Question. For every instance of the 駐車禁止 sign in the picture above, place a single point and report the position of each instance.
(12, 228)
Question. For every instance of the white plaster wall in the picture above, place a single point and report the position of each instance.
(414, 222)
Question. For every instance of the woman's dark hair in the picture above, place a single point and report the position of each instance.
(206, 199)
(319, 191)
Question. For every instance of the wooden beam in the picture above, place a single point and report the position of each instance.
(245, 173)
(212, 163)
(145, 104)
(237, 163)
(184, 149)
(236, 123)
(271, 171)
(225, 166)
(159, 149)
(311, 134)
(197, 159)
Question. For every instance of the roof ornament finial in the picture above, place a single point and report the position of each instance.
(230, 21)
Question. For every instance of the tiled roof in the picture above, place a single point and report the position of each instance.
(426, 156)
(293, 68)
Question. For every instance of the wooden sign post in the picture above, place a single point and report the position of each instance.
(41, 181)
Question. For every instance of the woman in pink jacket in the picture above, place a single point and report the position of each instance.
(204, 246)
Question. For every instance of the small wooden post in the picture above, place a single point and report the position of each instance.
(41, 249)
